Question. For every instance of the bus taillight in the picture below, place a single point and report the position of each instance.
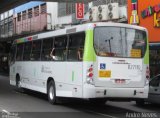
(90, 69)
(147, 75)
(90, 75)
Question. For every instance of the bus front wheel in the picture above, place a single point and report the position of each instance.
(51, 92)
(18, 84)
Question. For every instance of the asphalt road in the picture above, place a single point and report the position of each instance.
(15, 104)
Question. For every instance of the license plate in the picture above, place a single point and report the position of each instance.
(106, 74)
(120, 81)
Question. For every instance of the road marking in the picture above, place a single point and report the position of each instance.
(7, 114)
(102, 114)
(5, 111)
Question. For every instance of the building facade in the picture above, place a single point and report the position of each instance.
(6, 24)
(146, 13)
(36, 17)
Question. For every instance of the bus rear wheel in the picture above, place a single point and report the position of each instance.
(51, 92)
(18, 82)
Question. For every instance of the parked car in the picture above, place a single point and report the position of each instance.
(154, 91)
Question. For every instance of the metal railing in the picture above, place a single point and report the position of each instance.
(31, 25)
(15, 26)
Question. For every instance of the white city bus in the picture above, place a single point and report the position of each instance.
(95, 61)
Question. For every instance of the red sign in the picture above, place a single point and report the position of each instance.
(79, 11)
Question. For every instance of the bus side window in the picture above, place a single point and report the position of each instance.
(27, 51)
(19, 55)
(46, 49)
(60, 44)
(76, 46)
(12, 54)
(80, 52)
(36, 49)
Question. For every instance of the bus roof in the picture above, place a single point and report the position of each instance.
(74, 29)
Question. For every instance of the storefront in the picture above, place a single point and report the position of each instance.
(146, 13)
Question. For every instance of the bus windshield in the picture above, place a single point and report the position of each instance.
(119, 42)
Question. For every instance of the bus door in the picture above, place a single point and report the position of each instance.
(74, 62)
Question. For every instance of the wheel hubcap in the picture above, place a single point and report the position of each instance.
(18, 84)
(51, 92)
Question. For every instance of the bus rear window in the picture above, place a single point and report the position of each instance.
(119, 42)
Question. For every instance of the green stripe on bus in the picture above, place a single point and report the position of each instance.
(146, 58)
(89, 53)
(72, 76)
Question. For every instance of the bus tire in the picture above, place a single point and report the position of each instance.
(18, 82)
(51, 92)
(18, 86)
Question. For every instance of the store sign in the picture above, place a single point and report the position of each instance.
(134, 19)
(156, 20)
(79, 11)
(152, 10)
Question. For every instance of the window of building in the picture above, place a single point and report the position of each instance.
(99, 2)
(19, 17)
(19, 55)
(10, 23)
(36, 50)
(122, 2)
(24, 15)
(27, 51)
(102, 2)
(6, 27)
(36, 11)
(2, 27)
(10, 26)
(30, 14)
(76, 47)
(66, 9)
(46, 49)
(43, 8)
(61, 9)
